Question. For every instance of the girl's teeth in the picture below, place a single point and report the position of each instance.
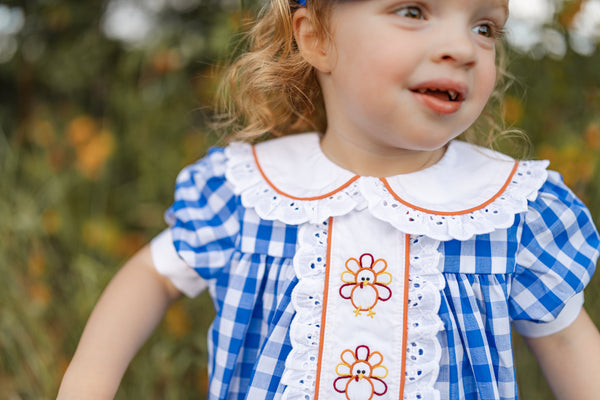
(452, 94)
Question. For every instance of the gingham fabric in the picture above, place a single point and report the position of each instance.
(526, 272)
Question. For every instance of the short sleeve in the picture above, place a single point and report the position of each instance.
(203, 218)
(167, 263)
(556, 258)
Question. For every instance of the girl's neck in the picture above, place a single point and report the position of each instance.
(379, 162)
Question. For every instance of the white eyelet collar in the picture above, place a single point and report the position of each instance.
(471, 190)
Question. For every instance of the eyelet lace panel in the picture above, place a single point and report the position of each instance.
(307, 299)
(423, 349)
(499, 214)
(256, 193)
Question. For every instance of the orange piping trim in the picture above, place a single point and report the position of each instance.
(344, 186)
(323, 314)
(447, 213)
(405, 317)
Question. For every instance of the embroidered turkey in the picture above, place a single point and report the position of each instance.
(360, 374)
(365, 283)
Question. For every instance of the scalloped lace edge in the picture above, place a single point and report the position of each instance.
(424, 351)
(256, 193)
(499, 214)
(307, 299)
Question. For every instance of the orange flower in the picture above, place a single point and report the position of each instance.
(81, 129)
(40, 293)
(93, 146)
(92, 156)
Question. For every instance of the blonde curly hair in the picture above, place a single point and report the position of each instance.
(270, 90)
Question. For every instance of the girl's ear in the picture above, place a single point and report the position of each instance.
(311, 43)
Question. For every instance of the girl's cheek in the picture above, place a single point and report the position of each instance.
(491, 79)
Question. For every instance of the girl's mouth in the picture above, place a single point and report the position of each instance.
(444, 95)
(440, 101)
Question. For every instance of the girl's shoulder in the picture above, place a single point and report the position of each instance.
(213, 164)
(556, 216)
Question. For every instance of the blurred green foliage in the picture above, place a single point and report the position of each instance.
(92, 134)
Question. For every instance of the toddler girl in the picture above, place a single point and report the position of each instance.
(374, 257)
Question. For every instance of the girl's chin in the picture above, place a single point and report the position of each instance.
(431, 145)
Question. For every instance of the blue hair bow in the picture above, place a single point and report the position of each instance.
(302, 3)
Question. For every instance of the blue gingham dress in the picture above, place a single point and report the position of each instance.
(526, 272)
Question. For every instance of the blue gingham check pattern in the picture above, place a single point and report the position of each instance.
(525, 272)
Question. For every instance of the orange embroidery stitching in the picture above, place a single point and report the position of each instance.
(360, 374)
(365, 283)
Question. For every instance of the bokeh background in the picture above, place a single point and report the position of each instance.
(102, 102)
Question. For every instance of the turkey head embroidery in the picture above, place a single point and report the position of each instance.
(360, 374)
(365, 283)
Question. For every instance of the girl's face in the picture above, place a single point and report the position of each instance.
(404, 77)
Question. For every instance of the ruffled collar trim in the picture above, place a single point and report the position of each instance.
(470, 191)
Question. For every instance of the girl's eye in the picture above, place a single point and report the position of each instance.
(483, 30)
(413, 12)
(488, 31)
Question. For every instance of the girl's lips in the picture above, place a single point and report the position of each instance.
(443, 96)
(437, 104)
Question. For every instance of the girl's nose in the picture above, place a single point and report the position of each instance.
(457, 48)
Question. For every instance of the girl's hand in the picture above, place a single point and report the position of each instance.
(570, 359)
(127, 312)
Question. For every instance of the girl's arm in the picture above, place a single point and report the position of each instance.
(127, 312)
(570, 359)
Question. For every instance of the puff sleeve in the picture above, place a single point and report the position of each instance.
(557, 255)
(204, 225)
